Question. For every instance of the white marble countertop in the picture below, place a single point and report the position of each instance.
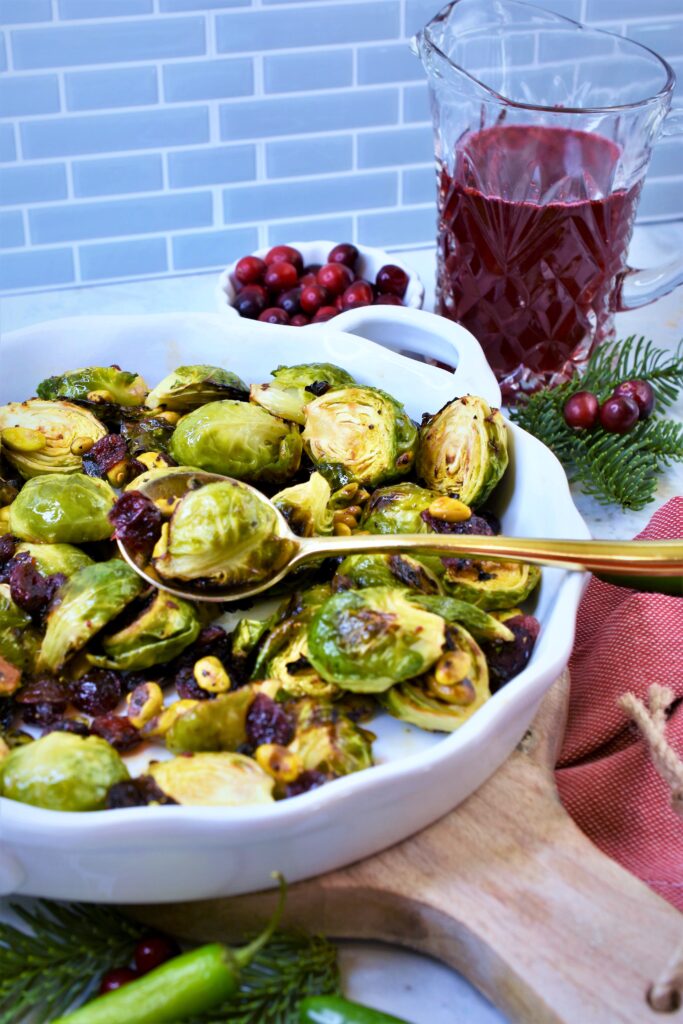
(411, 986)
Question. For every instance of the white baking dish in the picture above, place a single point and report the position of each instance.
(157, 854)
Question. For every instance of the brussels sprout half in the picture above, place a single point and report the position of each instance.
(284, 657)
(294, 387)
(359, 571)
(454, 688)
(62, 772)
(238, 439)
(46, 437)
(367, 640)
(463, 450)
(191, 386)
(327, 740)
(305, 507)
(212, 725)
(490, 585)
(213, 780)
(55, 509)
(18, 639)
(56, 558)
(473, 618)
(160, 633)
(88, 601)
(398, 509)
(361, 435)
(221, 533)
(101, 385)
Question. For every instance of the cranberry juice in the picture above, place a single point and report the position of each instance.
(532, 241)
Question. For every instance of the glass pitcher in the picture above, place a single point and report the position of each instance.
(543, 134)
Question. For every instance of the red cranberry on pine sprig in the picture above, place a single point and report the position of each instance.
(642, 394)
(581, 410)
(619, 414)
(117, 978)
(154, 950)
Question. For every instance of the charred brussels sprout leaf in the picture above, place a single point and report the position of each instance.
(212, 725)
(359, 571)
(473, 618)
(398, 509)
(490, 585)
(47, 437)
(56, 558)
(160, 633)
(294, 387)
(222, 533)
(213, 780)
(446, 696)
(147, 435)
(191, 386)
(367, 640)
(305, 507)
(284, 657)
(88, 601)
(359, 435)
(101, 385)
(463, 450)
(327, 740)
(62, 772)
(238, 439)
(56, 509)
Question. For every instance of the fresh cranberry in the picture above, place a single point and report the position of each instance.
(285, 254)
(274, 315)
(619, 414)
(324, 314)
(299, 320)
(357, 294)
(117, 730)
(251, 301)
(642, 394)
(97, 692)
(268, 722)
(281, 276)
(391, 280)
(336, 277)
(250, 270)
(313, 296)
(344, 253)
(387, 300)
(137, 522)
(117, 979)
(581, 410)
(290, 301)
(153, 951)
(312, 268)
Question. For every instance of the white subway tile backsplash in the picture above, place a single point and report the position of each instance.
(155, 136)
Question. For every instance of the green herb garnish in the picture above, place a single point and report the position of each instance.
(613, 468)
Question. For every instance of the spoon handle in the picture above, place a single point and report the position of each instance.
(629, 558)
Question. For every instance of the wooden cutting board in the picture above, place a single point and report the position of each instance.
(505, 889)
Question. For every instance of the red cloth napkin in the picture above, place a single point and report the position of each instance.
(625, 641)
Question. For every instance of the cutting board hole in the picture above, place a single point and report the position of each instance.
(664, 1002)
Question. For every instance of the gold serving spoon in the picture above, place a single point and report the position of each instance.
(643, 564)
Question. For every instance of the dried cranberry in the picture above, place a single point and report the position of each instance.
(153, 951)
(105, 454)
(137, 522)
(8, 547)
(97, 692)
(28, 588)
(68, 725)
(306, 781)
(506, 659)
(116, 979)
(187, 686)
(268, 722)
(475, 524)
(42, 713)
(136, 793)
(42, 701)
(117, 730)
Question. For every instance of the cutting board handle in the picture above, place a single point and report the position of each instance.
(505, 889)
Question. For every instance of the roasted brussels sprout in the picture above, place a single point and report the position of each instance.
(213, 780)
(240, 440)
(473, 618)
(359, 434)
(160, 633)
(218, 724)
(305, 507)
(445, 697)
(221, 533)
(191, 386)
(101, 385)
(18, 640)
(489, 585)
(284, 657)
(398, 509)
(463, 450)
(62, 772)
(367, 640)
(359, 571)
(58, 509)
(327, 740)
(150, 434)
(88, 601)
(47, 437)
(54, 558)
(294, 387)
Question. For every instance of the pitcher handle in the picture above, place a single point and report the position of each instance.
(640, 287)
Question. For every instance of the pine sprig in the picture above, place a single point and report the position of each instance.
(613, 468)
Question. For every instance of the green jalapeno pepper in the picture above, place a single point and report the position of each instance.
(335, 1010)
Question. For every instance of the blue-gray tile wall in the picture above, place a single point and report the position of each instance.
(148, 137)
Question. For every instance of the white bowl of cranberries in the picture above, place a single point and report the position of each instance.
(311, 282)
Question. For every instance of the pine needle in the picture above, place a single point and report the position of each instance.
(613, 468)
